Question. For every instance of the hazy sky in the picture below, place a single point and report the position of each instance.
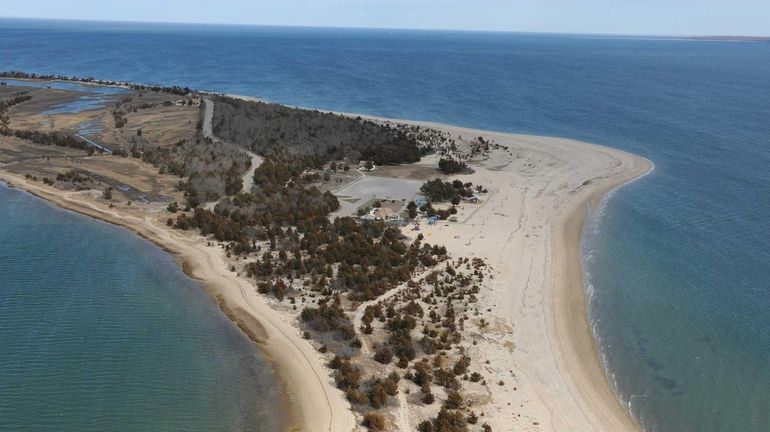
(662, 17)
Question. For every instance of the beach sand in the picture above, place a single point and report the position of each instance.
(528, 228)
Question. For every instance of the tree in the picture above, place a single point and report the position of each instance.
(472, 418)
(384, 355)
(461, 366)
(390, 386)
(411, 208)
(425, 426)
(374, 421)
(450, 421)
(454, 400)
(377, 395)
(451, 166)
(437, 190)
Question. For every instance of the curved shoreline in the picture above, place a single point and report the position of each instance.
(570, 311)
(569, 319)
(572, 342)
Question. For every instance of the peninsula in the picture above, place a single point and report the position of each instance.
(398, 275)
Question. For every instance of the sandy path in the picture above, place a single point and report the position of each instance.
(361, 309)
(206, 130)
(208, 115)
(248, 177)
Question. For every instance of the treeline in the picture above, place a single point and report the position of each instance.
(73, 176)
(9, 102)
(176, 90)
(265, 128)
(50, 139)
(15, 100)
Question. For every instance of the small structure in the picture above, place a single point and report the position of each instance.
(432, 220)
(385, 214)
(366, 165)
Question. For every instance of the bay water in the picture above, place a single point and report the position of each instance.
(101, 331)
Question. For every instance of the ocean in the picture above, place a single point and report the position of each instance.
(677, 262)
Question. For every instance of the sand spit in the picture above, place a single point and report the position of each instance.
(543, 359)
(543, 369)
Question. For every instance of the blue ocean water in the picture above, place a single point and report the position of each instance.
(678, 261)
(101, 331)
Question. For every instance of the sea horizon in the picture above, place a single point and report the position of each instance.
(704, 37)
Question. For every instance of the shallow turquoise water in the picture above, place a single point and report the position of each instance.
(678, 262)
(101, 331)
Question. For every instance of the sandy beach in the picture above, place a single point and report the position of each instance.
(528, 228)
